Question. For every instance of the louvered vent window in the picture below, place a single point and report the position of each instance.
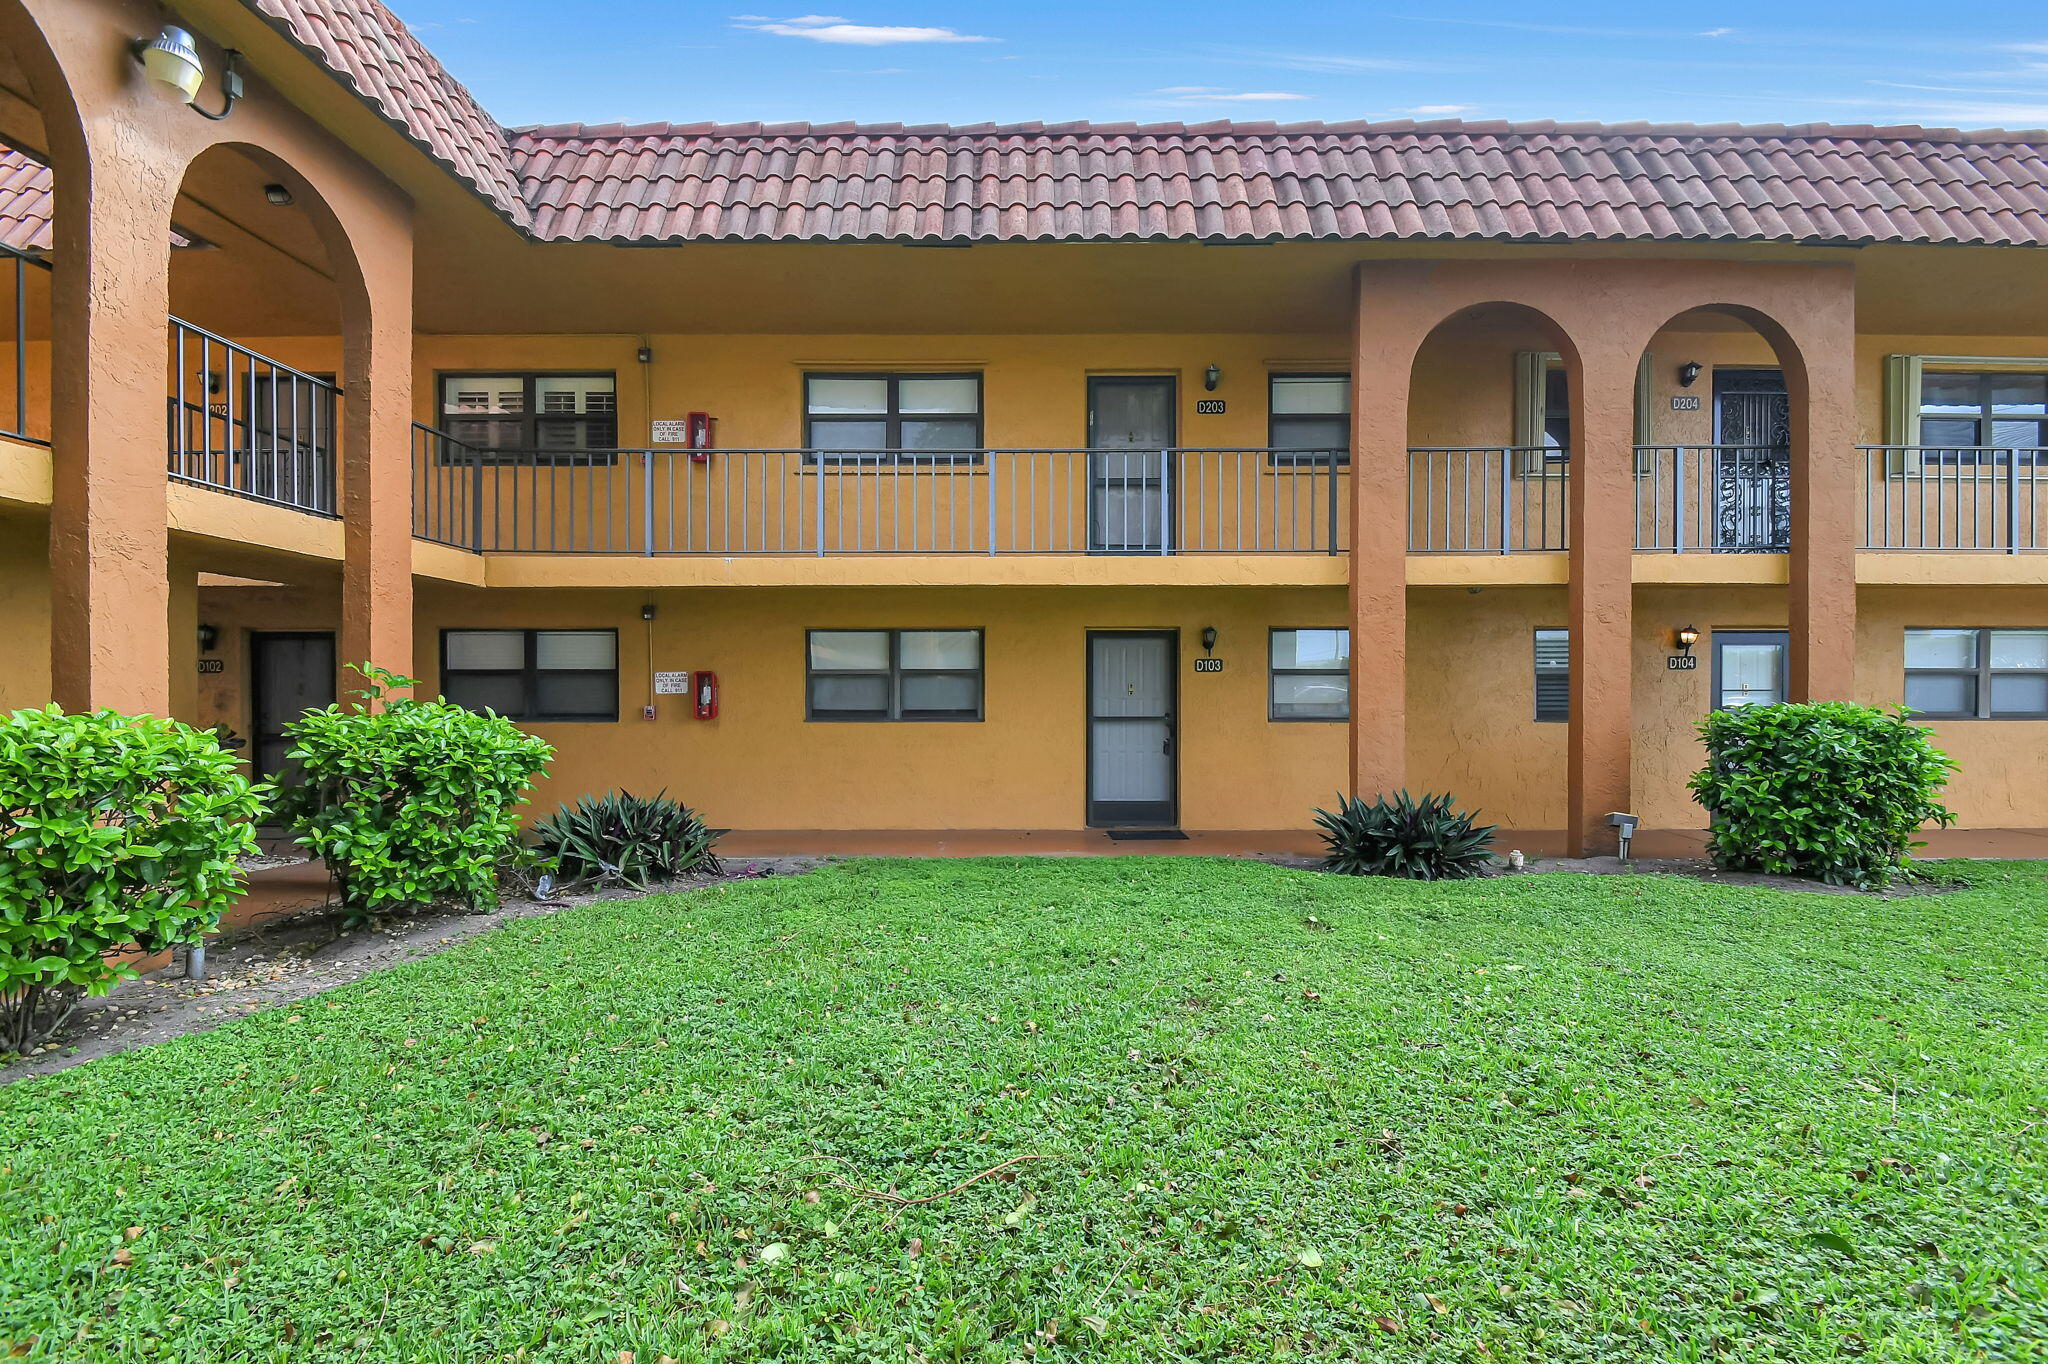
(1554, 675)
(546, 418)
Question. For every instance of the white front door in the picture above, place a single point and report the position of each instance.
(1131, 770)
(1751, 667)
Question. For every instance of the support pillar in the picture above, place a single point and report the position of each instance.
(1826, 495)
(1382, 360)
(1600, 595)
(109, 569)
(376, 472)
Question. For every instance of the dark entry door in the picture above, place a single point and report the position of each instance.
(1132, 766)
(292, 673)
(1752, 476)
(1130, 474)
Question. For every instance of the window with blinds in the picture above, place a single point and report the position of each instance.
(531, 418)
(893, 675)
(545, 675)
(1966, 674)
(1308, 675)
(1554, 676)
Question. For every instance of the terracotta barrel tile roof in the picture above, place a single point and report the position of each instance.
(1497, 181)
(24, 202)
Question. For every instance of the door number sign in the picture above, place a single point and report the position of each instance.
(1208, 665)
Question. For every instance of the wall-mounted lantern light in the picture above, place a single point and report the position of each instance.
(209, 636)
(278, 195)
(1208, 639)
(1212, 377)
(172, 61)
(1687, 636)
(1688, 372)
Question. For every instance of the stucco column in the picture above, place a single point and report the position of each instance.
(1602, 543)
(1826, 496)
(109, 574)
(1382, 359)
(376, 477)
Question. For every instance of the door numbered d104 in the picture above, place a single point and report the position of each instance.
(1682, 663)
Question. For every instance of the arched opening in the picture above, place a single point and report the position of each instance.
(40, 149)
(1714, 439)
(1489, 468)
(255, 371)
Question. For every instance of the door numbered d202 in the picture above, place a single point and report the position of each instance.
(1208, 665)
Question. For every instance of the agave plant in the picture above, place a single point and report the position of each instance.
(1424, 840)
(626, 839)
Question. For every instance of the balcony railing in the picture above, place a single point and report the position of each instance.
(807, 502)
(240, 422)
(1487, 500)
(1927, 497)
(1714, 499)
(20, 419)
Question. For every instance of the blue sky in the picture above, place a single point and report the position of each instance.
(539, 61)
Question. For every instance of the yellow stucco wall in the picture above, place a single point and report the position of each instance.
(24, 611)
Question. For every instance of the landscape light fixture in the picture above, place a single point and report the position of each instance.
(172, 61)
(1688, 372)
(1212, 377)
(1687, 636)
(1208, 639)
(279, 195)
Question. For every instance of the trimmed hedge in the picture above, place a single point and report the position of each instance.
(1824, 789)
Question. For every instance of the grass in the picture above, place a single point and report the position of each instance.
(1279, 1115)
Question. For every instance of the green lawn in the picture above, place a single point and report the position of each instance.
(1278, 1114)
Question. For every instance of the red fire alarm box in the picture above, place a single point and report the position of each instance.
(698, 429)
(704, 687)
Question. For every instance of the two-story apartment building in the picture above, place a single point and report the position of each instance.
(1014, 478)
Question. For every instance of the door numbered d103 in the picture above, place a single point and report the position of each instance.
(1208, 665)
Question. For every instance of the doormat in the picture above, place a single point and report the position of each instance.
(1146, 835)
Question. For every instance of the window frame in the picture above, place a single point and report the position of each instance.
(529, 672)
(1278, 457)
(895, 675)
(1273, 672)
(1982, 452)
(892, 454)
(1981, 675)
(529, 452)
(1538, 670)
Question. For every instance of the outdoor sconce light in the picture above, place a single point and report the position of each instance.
(208, 637)
(1211, 377)
(172, 61)
(1687, 636)
(1688, 372)
(1208, 639)
(278, 195)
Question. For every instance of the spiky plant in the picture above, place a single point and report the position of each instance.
(627, 839)
(1424, 840)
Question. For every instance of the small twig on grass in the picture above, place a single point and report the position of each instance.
(891, 1196)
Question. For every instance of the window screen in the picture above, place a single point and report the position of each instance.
(533, 674)
(1554, 675)
(1309, 418)
(893, 675)
(543, 418)
(893, 418)
(1975, 674)
(1309, 675)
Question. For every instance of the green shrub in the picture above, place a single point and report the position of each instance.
(1826, 789)
(411, 804)
(1425, 840)
(113, 829)
(628, 839)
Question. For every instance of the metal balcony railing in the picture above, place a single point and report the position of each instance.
(1714, 499)
(873, 502)
(29, 275)
(1923, 497)
(1487, 499)
(240, 422)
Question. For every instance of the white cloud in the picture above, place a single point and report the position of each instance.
(1717, 33)
(831, 28)
(1441, 110)
(1189, 95)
